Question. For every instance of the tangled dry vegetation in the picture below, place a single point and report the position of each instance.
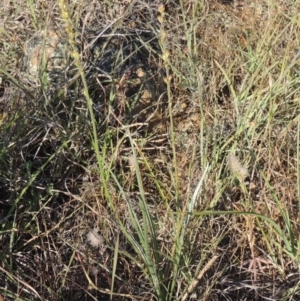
(158, 158)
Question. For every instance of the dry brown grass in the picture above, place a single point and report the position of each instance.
(71, 232)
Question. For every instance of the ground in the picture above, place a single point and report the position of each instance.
(191, 195)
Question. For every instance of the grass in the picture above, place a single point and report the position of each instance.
(192, 196)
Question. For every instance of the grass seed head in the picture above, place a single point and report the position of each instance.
(94, 238)
(236, 168)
